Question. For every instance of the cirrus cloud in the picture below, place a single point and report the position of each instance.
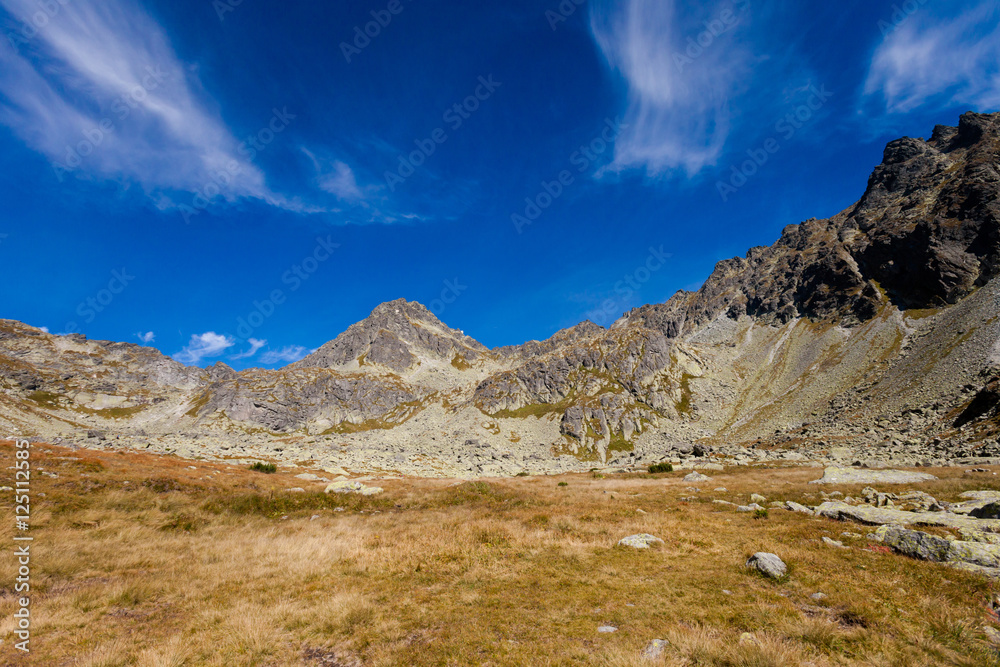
(285, 355)
(100, 92)
(945, 54)
(677, 112)
(255, 345)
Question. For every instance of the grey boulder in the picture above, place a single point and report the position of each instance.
(767, 564)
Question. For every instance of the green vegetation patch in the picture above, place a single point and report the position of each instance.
(113, 413)
(277, 505)
(45, 399)
(684, 405)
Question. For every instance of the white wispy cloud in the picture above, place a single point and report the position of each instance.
(285, 355)
(255, 345)
(337, 177)
(340, 181)
(204, 346)
(147, 337)
(933, 58)
(678, 95)
(101, 93)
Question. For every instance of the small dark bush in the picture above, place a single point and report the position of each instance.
(523, 473)
(563, 483)
(266, 468)
(660, 467)
(162, 485)
(181, 522)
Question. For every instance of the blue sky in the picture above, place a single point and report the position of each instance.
(240, 181)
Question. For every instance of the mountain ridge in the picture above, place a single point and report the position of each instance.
(809, 341)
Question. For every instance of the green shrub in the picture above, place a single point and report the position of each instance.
(523, 473)
(563, 483)
(660, 467)
(760, 514)
(266, 468)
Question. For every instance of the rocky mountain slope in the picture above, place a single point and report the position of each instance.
(871, 335)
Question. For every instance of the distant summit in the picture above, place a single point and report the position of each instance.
(395, 336)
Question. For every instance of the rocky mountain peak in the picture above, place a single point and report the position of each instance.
(399, 310)
(394, 336)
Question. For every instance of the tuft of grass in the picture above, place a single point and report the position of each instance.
(760, 514)
(495, 538)
(563, 483)
(658, 468)
(481, 493)
(182, 522)
(266, 468)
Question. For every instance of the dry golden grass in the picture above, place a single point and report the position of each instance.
(175, 569)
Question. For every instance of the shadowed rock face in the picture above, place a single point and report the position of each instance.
(986, 403)
(811, 328)
(927, 230)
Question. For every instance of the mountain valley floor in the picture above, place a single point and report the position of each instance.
(143, 559)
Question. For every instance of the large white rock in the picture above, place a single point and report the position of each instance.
(640, 541)
(348, 486)
(834, 475)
